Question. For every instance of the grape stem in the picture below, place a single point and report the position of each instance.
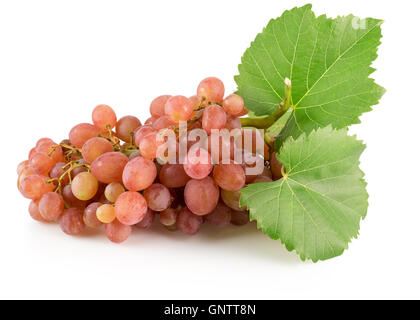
(71, 166)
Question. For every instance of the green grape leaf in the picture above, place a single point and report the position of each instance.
(316, 208)
(329, 64)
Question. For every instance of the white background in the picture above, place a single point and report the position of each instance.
(59, 59)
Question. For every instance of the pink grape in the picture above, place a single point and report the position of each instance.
(134, 155)
(71, 222)
(41, 163)
(113, 191)
(95, 147)
(126, 127)
(226, 147)
(168, 217)
(233, 123)
(239, 218)
(188, 222)
(84, 186)
(71, 200)
(34, 211)
(158, 197)
(23, 165)
(104, 116)
(147, 221)
(130, 208)
(42, 140)
(117, 232)
(79, 168)
(276, 167)
(82, 133)
(179, 108)
(229, 177)
(233, 104)
(157, 107)
(201, 196)
(35, 186)
(214, 117)
(31, 152)
(109, 167)
(89, 215)
(163, 122)
(149, 145)
(51, 149)
(51, 206)
(211, 89)
(26, 172)
(173, 176)
(198, 163)
(261, 179)
(150, 121)
(141, 133)
(139, 174)
(57, 171)
(220, 216)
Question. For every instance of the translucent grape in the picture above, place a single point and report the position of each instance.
(95, 147)
(71, 200)
(113, 191)
(211, 89)
(201, 196)
(220, 216)
(168, 217)
(126, 127)
(196, 102)
(158, 197)
(109, 167)
(179, 108)
(141, 133)
(150, 121)
(41, 163)
(79, 168)
(233, 123)
(34, 211)
(276, 167)
(231, 199)
(229, 177)
(117, 232)
(31, 153)
(89, 215)
(149, 145)
(104, 116)
(239, 218)
(233, 104)
(198, 164)
(163, 123)
(147, 221)
(35, 186)
(71, 221)
(51, 206)
(82, 133)
(25, 173)
(23, 165)
(130, 208)
(51, 149)
(188, 222)
(42, 140)
(139, 174)
(173, 176)
(157, 107)
(214, 117)
(84, 186)
(106, 213)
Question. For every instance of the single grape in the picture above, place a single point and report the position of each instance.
(89, 216)
(109, 167)
(157, 107)
(51, 206)
(51, 149)
(41, 163)
(198, 164)
(57, 171)
(141, 133)
(239, 218)
(139, 174)
(220, 216)
(231, 199)
(163, 122)
(84, 186)
(71, 221)
(104, 117)
(261, 179)
(149, 145)
(117, 232)
(233, 123)
(147, 221)
(130, 208)
(188, 222)
(196, 102)
(214, 117)
(221, 147)
(158, 197)
(168, 217)
(179, 108)
(106, 213)
(276, 167)
(150, 121)
(31, 152)
(23, 165)
(34, 211)
(82, 133)
(253, 164)
(113, 191)
(70, 199)
(201, 196)
(211, 89)
(42, 140)
(233, 104)
(126, 127)
(95, 147)
(229, 177)
(79, 168)
(173, 176)
(35, 186)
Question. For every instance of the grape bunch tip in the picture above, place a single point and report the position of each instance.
(185, 166)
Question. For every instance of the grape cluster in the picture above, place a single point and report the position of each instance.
(113, 173)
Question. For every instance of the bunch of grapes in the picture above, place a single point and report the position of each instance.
(114, 173)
